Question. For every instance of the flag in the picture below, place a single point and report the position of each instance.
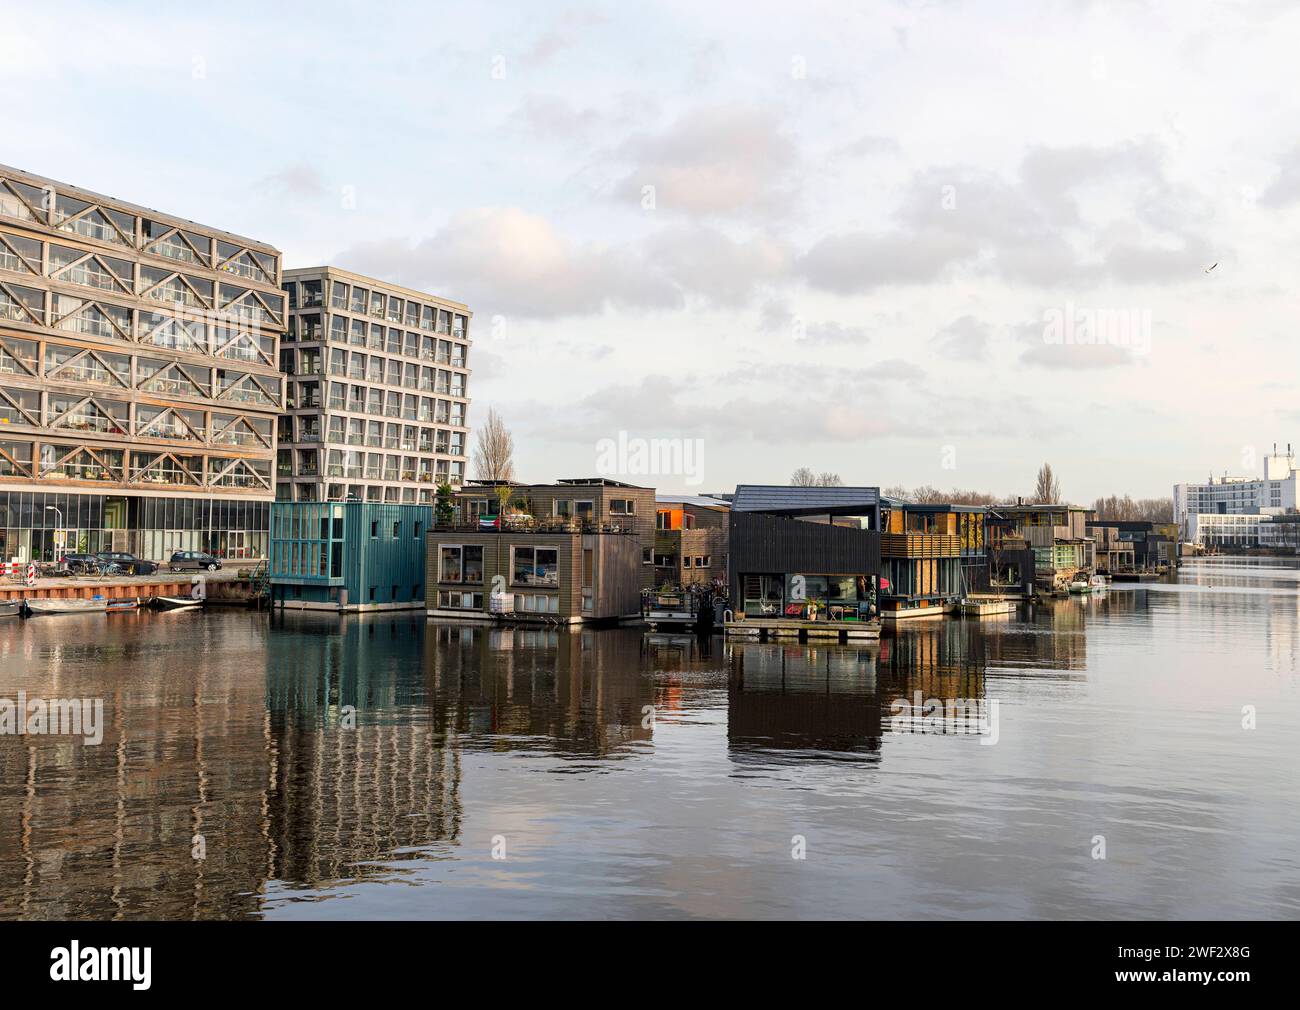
(489, 522)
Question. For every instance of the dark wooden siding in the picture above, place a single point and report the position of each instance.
(777, 544)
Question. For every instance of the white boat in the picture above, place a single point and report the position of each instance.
(35, 607)
(176, 602)
(11, 608)
(1088, 583)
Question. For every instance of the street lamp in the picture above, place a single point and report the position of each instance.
(51, 508)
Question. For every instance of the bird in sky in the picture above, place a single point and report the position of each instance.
(1211, 267)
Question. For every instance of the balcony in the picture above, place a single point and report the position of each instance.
(920, 545)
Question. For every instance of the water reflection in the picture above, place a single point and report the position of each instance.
(317, 758)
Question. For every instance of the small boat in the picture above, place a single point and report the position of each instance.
(35, 607)
(176, 602)
(117, 606)
(1088, 583)
(11, 608)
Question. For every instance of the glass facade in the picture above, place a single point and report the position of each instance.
(151, 528)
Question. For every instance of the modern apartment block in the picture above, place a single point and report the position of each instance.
(377, 396)
(139, 380)
(1273, 494)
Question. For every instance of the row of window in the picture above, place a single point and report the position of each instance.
(370, 400)
(371, 434)
(377, 304)
(127, 278)
(361, 465)
(223, 337)
(307, 328)
(561, 508)
(69, 462)
(376, 369)
(54, 209)
(408, 495)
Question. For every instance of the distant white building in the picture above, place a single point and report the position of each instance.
(1197, 505)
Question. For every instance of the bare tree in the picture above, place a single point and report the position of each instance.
(804, 477)
(1048, 489)
(1160, 510)
(494, 450)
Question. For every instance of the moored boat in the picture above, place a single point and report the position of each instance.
(97, 606)
(176, 602)
(117, 606)
(11, 608)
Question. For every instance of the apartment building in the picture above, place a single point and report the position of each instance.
(377, 397)
(1272, 494)
(139, 380)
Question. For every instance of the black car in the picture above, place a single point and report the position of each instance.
(128, 564)
(80, 564)
(193, 561)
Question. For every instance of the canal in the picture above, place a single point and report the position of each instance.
(1129, 755)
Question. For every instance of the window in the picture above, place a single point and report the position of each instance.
(416, 536)
(622, 506)
(397, 530)
(461, 564)
(374, 529)
(702, 561)
(647, 556)
(535, 566)
(686, 561)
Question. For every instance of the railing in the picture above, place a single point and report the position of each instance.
(920, 545)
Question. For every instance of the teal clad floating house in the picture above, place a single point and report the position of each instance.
(348, 556)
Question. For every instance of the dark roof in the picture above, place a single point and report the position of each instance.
(777, 498)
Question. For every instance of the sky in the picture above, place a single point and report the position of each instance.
(905, 242)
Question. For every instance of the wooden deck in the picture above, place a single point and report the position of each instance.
(766, 628)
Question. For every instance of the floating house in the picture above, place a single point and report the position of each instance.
(591, 504)
(805, 559)
(1124, 546)
(691, 533)
(931, 556)
(1056, 534)
(350, 556)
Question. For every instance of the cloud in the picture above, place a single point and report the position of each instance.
(1073, 216)
(719, 160)
(297, 180)
(1039, 352)
(1284, 190)
(505, 260)
(965, 338)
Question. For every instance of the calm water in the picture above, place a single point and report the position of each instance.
(1118, 716)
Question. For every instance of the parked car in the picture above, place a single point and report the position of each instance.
(127, 563)
(193, 561)
(81, 564)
